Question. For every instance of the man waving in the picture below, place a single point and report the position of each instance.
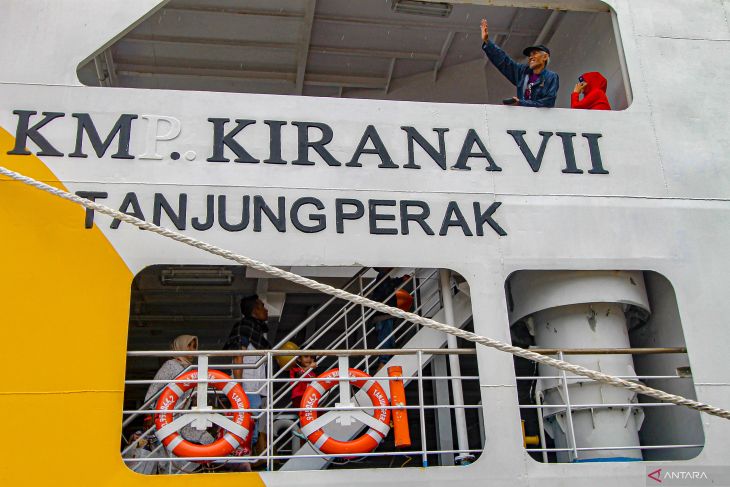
(536, 85)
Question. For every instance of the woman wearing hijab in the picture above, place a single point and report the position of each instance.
(175, 366)
(169, 371)
(593, 88)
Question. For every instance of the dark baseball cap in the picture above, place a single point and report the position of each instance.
(539, 47)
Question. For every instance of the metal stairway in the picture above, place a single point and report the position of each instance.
(425, 338)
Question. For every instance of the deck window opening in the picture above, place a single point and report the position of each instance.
(624, 323)
(273, 353)
(372, 49)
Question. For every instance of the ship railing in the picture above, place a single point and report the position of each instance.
(281, 445)
(360, 323)
(364, 363)
(424, 305)
(338, 316)
(569, 406)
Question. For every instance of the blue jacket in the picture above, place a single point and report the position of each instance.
(543, 93)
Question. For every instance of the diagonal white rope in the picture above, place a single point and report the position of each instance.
(383, 308)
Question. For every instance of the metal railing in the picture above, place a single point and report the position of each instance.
(400, 331)
(569, 407)
(281, 445)
(283, 442)
(360, 324)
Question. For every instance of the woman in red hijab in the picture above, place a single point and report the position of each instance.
(593, 88)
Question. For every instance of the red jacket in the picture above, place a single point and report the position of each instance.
(294, 373)
(594, 95)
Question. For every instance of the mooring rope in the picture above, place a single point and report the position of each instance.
(383, 308)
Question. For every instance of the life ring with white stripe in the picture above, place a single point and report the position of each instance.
(312, 426)
(237, 429)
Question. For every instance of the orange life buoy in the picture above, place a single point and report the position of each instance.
(238, 429)
(379, 423)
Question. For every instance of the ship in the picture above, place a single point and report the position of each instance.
(363, 144)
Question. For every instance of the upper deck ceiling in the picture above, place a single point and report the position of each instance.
(310, 47)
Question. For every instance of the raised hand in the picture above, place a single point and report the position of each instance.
(485, 30)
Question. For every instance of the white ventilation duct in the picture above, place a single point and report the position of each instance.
(578, 310)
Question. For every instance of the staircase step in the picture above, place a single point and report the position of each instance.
(426, 338)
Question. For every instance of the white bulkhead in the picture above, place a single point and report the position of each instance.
(259, 129)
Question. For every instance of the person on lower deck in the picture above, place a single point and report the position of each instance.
(174, 366)
(536, 85)
(171, 369)
(593, 87)
(383, 323)
(250, 334)
(304, 367)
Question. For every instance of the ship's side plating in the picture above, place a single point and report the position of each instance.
(661, 204)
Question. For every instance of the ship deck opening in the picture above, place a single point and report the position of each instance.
(623, 323)
(364, 49)
(206, 302)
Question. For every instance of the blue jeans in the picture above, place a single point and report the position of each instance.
(383, 329)
(254, 402)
